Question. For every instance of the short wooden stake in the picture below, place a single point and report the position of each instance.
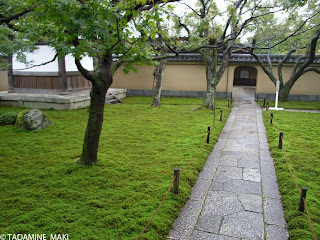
(280, 140)
(220, 119)
(176, 175)
(208, 137)
(303, 195)
(257, 97)
(267, 107)
(271, 118)
(264, 103)
(228, 103)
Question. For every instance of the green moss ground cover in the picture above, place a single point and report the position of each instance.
(293, 105)
(42, 190)
(302, 145)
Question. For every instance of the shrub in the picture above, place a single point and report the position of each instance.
(8, 118)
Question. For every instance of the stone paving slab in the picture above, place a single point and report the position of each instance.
(236, 195)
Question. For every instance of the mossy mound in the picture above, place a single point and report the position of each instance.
(8, 118)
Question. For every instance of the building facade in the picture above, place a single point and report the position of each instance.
(184, 76)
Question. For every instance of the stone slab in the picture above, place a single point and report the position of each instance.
(276, 233)
(200, 189)
(241, 186)
(250, 174)
(185, 223)
(251, 202)
(221, 203)
(247, 225)
(199, 235)
(227, 173)
(273, 212)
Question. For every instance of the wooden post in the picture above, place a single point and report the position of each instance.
(220, 119)
(271, 118)
(176, 174)
(62, 75)
(228, 103)
(280, 140)
(267, 107)
(10, 75)
(257, 97)
(303, 195)
(264, 103)
(208, 137)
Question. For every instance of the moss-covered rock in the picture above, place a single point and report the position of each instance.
(8, 118)
(31, 120)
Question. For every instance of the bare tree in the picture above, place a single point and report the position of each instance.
(301, 67)
(223, 41)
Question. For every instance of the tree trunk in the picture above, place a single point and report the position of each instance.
(102, 79)
(62, 74)
(158, 73)
(284, 93)
(208, 101)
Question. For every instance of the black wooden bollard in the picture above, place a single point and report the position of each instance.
(220, 119)
(208, 137)
(228, 103)
(176, 175)
(280, 140)
(303, 195)
(267, 107)
(264, 103)
(271, 118)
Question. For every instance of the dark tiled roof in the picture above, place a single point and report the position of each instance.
(237, 58)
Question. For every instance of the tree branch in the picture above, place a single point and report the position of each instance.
(292, 50)
(183, 3)
(311, 69)
(270, 74)
(167, 44)
(39, 65)
(82, 70)
(16, 16)
(311, 54)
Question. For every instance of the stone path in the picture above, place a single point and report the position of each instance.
(236, 195)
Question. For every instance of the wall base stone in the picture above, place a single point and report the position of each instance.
(74, 100)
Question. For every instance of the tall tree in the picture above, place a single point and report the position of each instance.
(297, 32)
(206, 34)
(301, 67)
(105, 30)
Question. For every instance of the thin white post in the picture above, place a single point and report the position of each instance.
(277, 93)
(277, 97)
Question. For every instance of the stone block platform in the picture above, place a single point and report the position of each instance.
(71, 100)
